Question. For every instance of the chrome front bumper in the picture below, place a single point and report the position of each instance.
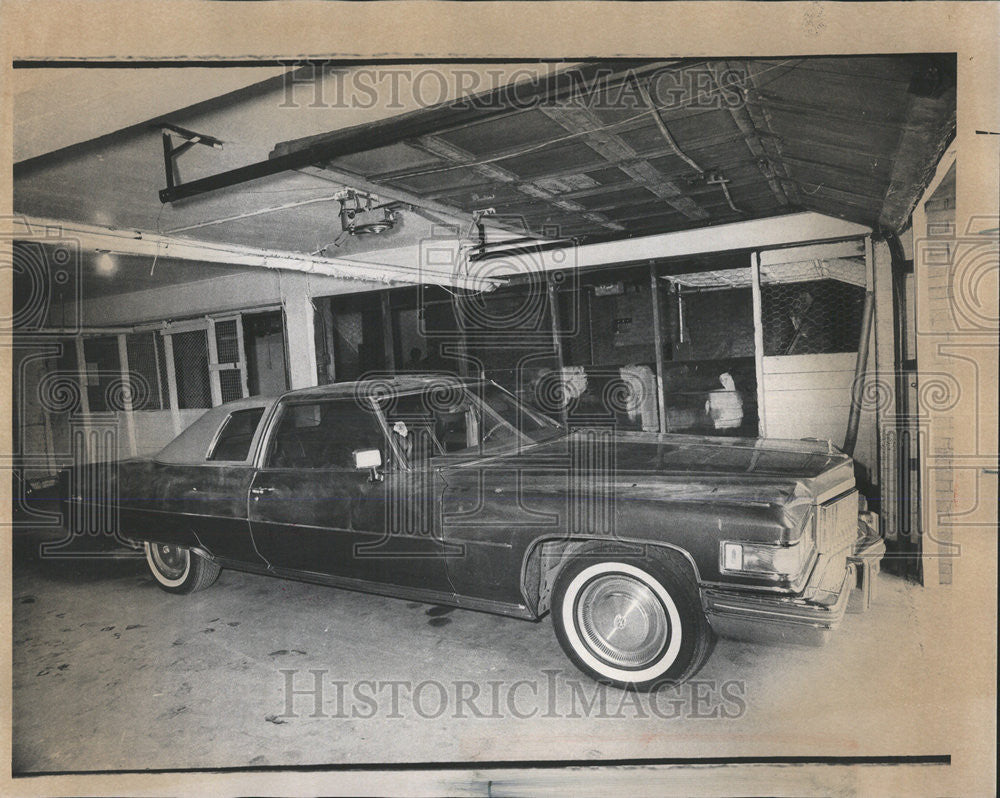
(805, 618)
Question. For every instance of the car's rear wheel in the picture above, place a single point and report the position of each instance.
(630, 621)
(179, 570)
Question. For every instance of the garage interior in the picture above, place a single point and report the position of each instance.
(744, 233)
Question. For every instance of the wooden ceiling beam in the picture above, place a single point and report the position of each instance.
(846, 171)
(495, 174)
(816, 188)
(760, 118)
(719, 207)
(132, 242)
(636, 123)
(611, 147)
(712, 202)
(812, 110)
(930, 125)
(652, 154)
(746, 127)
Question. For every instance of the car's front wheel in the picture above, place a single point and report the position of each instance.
(630, 621)
(179, 570)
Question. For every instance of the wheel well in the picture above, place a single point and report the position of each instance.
(195, 549)
(547, 558)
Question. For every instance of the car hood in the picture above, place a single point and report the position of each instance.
(742, 469)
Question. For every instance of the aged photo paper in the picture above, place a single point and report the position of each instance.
(700, 300)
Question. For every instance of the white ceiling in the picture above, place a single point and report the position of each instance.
(55, 108)
(114, 180)
(95, 153)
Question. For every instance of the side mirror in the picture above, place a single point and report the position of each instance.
(370, 460)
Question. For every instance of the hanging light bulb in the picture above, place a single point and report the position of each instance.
(106, 265)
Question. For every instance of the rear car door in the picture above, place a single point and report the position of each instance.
(213, 495)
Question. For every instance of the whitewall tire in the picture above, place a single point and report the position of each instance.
(630, 621)
(177, 569)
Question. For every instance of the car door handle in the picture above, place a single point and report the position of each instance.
(260, 491)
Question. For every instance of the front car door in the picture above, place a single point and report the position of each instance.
(312, 511)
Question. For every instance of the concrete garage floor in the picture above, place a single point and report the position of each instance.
(110, 673)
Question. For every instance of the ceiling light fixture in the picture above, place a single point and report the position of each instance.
(355, 205)
(361, 214)
(106, 265)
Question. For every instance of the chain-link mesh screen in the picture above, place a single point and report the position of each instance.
(227, 345)
(231, 383)
(811, 318)
(146, 378)
(191, 369)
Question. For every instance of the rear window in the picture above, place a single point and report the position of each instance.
(236, 435)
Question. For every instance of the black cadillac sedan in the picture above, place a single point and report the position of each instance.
(452, 491)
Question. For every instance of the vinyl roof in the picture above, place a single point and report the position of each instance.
(193, 445)
(375, 385)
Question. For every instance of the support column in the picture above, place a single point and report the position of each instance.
(299, 338)
(658, 345)
(81, 366)
(127, 394)
(553, 297)
(168, 360)
(882, 359)
(387, 336)
(758, 342)
(554, 321)
(213, 364)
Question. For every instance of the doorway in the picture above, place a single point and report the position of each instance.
(264, 341)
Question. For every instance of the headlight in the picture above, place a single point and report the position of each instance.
(765, 559)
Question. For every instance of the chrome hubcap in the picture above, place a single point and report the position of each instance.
(622, 621)
(171, 561)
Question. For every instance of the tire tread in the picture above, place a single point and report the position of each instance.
(203, 572)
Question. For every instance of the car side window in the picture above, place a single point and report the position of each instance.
(323, 435)
(234, 438)
(428, 424)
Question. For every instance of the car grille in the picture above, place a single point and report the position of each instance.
(837, 523)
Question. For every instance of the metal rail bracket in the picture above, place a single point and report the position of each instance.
(171, 153)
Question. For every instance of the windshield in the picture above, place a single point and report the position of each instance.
(518, 419)
(453, 417)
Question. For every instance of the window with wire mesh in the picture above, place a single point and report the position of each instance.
(811, 318)
(227, 342)
(191, 369)
(147, 371)
(227, 347)
(231, 383)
